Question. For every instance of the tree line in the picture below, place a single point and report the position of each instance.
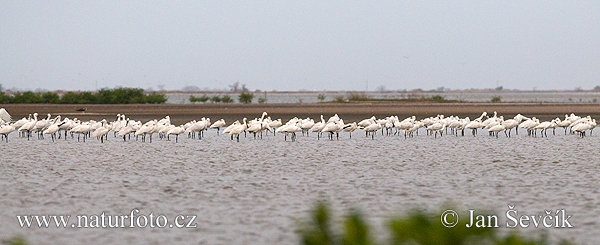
(104, 96)
(244, 97)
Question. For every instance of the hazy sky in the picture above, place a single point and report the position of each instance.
(293, 45)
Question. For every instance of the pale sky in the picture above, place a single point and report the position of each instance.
(294, 45)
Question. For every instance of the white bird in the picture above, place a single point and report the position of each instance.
(176, 131)
(230, 127)
(82, 129)
(147, 128)
(497, 128)
(581, 128)
(218, 124)
(436, 127)
(53, 128)
(5, 130)
(238, 129)
(372, 128)
(318, 127)
(274, 124)
(474, 125)
(332, 127)
(28, 127)
(102, 131)
(291, 128)
(306, 125)
(350, 128)
(4, 116)
(126, 130)
(41, 125)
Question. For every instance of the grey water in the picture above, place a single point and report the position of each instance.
(256, 191)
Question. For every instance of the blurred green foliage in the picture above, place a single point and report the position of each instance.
(16, 240)
(415, 227)
(105, 96)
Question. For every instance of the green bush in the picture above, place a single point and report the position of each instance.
(202, 98)
(51, 98)
(113, 96)
(496, 99)
(438, 98)
(227, 99)
(27, 98)
(215, 99)
(4, 98)
(246, 97)
(156, 98)
(69, 98)
(262, 100)
(321, 97)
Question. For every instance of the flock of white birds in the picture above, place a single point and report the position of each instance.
(392, 125)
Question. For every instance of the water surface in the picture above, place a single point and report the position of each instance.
(256, 191)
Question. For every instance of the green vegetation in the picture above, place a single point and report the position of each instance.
(112, 96)
(16, 240)
(227, 99)
(496, 99)
(416, 227)
(321, 97)
(262, 100)
(215, 99)
(362, 97)
(356, 96)
(246, 97)
(202, 99)
(438, 98)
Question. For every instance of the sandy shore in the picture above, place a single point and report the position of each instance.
(180, 113)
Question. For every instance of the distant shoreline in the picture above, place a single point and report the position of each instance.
(60, 91)
(181, 113)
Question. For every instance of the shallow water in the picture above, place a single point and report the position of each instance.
(256, 191)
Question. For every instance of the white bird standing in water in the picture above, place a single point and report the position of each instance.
(218, 124)
(27, 127)
(238, 129)
(350, 128)
(6, 129)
